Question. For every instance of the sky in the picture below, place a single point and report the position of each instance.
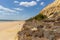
(21, 9)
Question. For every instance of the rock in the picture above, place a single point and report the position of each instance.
(48, 29)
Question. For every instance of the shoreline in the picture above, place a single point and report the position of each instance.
(9, 30)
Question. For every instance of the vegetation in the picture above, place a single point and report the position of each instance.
(38, 17)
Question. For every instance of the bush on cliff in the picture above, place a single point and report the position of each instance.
(38, 17)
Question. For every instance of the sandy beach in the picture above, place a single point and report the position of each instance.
(9, 30)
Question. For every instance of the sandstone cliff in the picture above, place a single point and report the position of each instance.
(44, 28)
(51, 8)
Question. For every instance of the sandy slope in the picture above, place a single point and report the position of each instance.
(8, 30)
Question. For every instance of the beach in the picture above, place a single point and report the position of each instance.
(9, 30)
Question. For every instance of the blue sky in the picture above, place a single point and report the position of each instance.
(21, 9)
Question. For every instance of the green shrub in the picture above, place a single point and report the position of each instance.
(38, 17)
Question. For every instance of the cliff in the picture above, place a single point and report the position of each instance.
(51, 8)
(44, 26)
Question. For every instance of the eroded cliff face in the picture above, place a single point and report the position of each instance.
(46, 29)
(51, 8)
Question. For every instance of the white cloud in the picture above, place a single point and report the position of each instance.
(37, 0)
(2, 8)
(42, 3)
(28, 4)
(18, 9)
(7, 11)
(16, 1)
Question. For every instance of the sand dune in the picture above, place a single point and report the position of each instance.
(8, 30)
